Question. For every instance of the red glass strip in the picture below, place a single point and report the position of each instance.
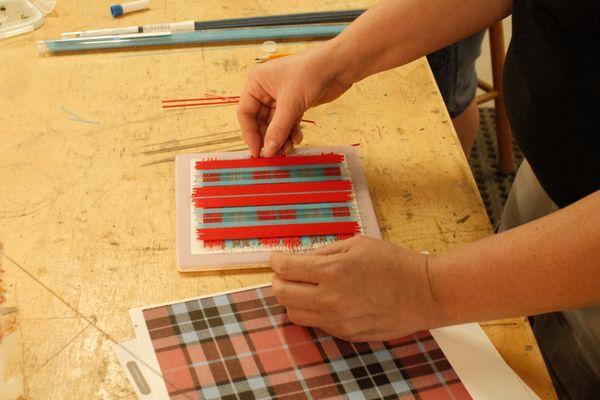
(274, 200)
(340, 211)
(212, 97)
(210, 103)
(269, 162)
(286, 214)
(279, 231)
(332, 171)
(268, 188)
(211, 177)
(210, 218)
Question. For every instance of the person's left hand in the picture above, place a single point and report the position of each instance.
(360, 289)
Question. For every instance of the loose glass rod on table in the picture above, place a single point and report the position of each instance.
(196, 37)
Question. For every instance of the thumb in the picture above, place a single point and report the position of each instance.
(287, 113)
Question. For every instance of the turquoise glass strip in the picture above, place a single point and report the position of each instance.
(245, 176)
(272, 208)
(271, 168)
(254, 216)
(295, 221)
(270, 180)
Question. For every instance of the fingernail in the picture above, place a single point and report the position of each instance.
(270, 148)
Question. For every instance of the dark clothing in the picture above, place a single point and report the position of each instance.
(551, 89)
(453, 68)
(552, 86)
(569, 353)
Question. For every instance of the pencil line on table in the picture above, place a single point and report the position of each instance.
(86, 319)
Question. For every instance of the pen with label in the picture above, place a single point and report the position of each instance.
(190, 26)
(175, 27)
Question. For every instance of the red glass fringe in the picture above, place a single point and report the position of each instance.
(268, 188)
(279, 231)
(269, 241)
(292, 242)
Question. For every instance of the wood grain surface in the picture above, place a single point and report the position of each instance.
(87, 197)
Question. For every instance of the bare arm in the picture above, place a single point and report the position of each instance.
(365, 289)
(550, 264)
(395, 32)
(389, 34)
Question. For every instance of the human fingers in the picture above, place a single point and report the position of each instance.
(288, 147)
(287, 112)
(341, 246)
(297, 267)
(304, 317)
(295, 294)
(263, 122)
(297, 134)
(247, 113)
(344, 327)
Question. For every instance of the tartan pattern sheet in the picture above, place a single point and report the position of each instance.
(296, 202)
(241, 345)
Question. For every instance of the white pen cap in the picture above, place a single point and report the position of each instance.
(120, 9)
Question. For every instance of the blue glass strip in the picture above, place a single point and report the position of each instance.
(271, 180)
(325, 212)
(272, 208)
(274, 168)
(202, 225)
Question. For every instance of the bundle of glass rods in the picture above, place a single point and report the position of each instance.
(285, 19)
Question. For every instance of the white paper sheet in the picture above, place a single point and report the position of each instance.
(478, 364)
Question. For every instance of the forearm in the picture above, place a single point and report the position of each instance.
(395, 32)
(549, 264)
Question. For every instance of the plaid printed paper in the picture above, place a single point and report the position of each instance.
(295, 202)
(241, 345)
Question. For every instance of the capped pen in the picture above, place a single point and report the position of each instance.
(174, 27)
(119, 9)
(248, 22)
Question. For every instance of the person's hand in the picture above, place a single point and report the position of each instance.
(360, 289)
(279, 92)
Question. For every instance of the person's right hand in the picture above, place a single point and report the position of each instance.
(279, 92)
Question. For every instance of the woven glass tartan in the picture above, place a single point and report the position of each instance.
(293, 202)
(242, 346)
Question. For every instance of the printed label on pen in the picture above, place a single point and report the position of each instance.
(137, 376)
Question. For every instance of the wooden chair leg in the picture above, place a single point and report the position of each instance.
(503, 128)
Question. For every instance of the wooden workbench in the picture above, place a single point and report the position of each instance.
(87, 197)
